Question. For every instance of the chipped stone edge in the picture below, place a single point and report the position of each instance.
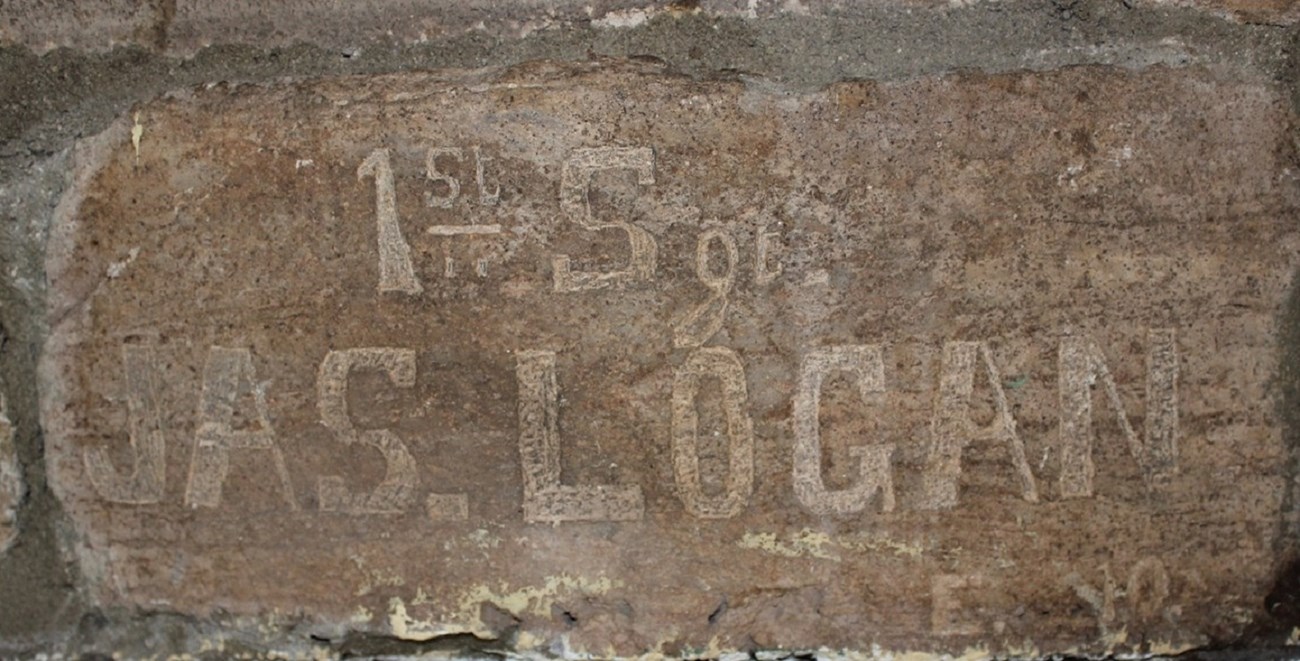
(11, 481)
(66, 317)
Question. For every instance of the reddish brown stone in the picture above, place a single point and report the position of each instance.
(541, 348)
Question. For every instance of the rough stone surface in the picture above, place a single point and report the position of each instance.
(186, 26)
(595, 358)
(11, 484)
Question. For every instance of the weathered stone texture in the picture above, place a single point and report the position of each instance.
(11, 484)
(185, 26)
(622, 361)
(93, 25)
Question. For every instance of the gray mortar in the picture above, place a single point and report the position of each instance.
(50, 101)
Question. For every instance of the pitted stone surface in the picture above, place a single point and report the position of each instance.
(613, 361)
(11, 483)
(187, 26)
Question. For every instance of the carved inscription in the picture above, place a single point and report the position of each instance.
(144, 482)
(704, 321)
(866, 366)
(545, 498)
(610, 363)
(228, 377)
(229, 374)
(398, 487)
(952, 428)
(1082, 366)
(395, 270)
(575, 182)
(723, 365)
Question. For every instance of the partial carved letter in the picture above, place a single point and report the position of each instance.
(545, 498)
(706, 320)
(951, 428)
(865, 364)
(228, 375)
(575, 184)
(722, 363)
(431, 171)
(1081, 365)
(395, 270)
(145, 482)
(397, 490)
(484, 197)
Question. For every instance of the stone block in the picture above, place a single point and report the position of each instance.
(611, 361)
(183, 27)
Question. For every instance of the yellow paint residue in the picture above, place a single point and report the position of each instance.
(811, 544)
(465, 619)
(1167, 648)
(864, 542)
(528, 642)
(403, 626)
(1114, 639)
(804, 543)
(362, 615)
(969, 654)
(535, 599)
(137, 132)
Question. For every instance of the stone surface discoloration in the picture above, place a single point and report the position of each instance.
(597, 407)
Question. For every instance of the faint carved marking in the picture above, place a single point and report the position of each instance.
(817, 278)
(706, 320)
(11, 480)
(144, 484)
(484, 197)
(575, 204)
(395, 493)
(432, 173)
(946, 607)
(461, 230)
(864, 362)
(229, 375)
(1102, 602)
(722, 363)
(1147, 589)
(764, 272)
(395, 270)
(951, 428)
(447, 506)
(1146, 592)
(545, 498)
(373, 577)
(453, 186)
(1081, 365)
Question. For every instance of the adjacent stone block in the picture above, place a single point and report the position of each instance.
(184, 27)
(614, 361)
(93, 25)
